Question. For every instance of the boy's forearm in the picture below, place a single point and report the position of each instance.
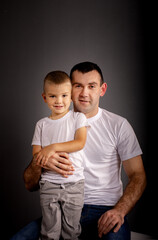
(71, 146)
(32, 175)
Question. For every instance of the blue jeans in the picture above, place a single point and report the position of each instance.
(89, 221)
(29, 232)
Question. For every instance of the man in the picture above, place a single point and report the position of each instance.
(111, 143)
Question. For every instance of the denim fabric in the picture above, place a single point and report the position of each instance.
(89, 222)
(29, 232)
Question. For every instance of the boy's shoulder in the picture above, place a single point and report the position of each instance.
(77, 115)
(42, 120)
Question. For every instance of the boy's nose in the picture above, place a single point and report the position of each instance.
(59, 100)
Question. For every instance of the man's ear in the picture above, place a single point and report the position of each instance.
(103, 89)
(44, 97)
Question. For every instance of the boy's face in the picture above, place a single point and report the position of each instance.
(86, 92)
(58, 98)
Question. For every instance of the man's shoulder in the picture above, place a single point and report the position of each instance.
(112, 117)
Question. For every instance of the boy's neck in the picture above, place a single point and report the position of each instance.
(58, 116)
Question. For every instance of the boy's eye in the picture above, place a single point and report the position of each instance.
(52, 96)
(64, 95)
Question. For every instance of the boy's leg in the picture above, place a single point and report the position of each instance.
(30, 231)
(89, 222)
(51, 211)
(71, 205)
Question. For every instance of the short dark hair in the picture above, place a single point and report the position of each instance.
(85, 67)
(56, 77)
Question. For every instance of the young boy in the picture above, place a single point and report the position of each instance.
(64, 130)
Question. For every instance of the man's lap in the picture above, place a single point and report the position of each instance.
(29, 232)
(89, 223)
(89, 220)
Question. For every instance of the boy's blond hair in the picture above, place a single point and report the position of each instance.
(56, 77)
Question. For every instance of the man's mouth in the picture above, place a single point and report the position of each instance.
(83, 101)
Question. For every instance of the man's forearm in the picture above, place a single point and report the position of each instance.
(132, 194)
(32, 176)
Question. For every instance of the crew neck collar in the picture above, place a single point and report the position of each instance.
(60, 119)
(94, 118)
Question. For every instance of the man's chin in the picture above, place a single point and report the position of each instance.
(84, 110)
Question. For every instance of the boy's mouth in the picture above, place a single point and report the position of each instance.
(58, 106)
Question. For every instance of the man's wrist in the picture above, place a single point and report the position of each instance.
(121, 209)
(34, 162)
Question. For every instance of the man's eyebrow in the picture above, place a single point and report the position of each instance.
(76, 83)
(91, 83)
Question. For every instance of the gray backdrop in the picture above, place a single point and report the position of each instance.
(39, 36)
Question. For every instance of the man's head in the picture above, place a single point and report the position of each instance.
(57, 93)
(87, 87)
(85, 67)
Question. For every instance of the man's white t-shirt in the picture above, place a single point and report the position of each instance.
(110, 141)
(48, 131)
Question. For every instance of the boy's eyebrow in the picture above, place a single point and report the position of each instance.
(55, 93)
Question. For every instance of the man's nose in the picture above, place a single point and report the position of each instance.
(84, 92)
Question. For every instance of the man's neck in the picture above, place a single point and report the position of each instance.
(89, 114)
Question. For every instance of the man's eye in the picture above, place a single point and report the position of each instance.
(78, 86)
(92, 86)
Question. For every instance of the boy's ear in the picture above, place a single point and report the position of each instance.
(103, 89)
(44, 97)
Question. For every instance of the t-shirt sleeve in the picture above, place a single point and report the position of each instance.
(37, 135)
(128, 145)
(81, 121)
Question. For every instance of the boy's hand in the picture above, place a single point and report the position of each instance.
(44, 155)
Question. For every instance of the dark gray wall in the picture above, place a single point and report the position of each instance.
(38, 36)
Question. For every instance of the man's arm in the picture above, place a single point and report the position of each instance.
(59, 163)
(137, 182)
(32, 175)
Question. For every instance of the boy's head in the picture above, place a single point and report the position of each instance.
(57, 93)
(55, 77)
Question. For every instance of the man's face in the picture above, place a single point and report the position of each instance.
(86, 92)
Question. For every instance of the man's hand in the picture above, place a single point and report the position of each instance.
(60, 163)
(112, 219)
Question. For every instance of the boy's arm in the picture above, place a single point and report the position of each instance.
(75, 145)
(70, 146)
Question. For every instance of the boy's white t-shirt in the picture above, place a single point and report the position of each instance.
(110, 141)
(48, 131)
